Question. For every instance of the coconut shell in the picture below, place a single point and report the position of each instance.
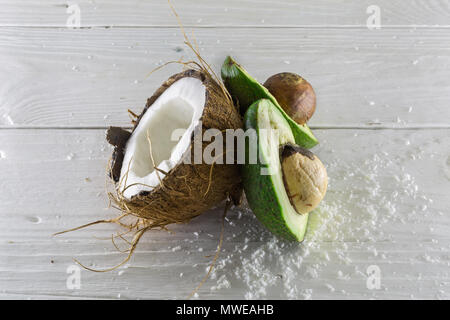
(117, 137)
(188, 189)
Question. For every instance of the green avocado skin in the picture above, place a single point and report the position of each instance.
(246, 90)
(241, 85)
(259, 189)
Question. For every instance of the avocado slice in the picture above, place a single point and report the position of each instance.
(266, 193)
(246, 90)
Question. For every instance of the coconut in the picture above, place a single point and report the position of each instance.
(156, 183)
(155, 176)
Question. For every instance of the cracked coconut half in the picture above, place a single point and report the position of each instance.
(153, 166)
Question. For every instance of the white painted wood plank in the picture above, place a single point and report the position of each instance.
(90, 77)
(261, 13)
(387, 205)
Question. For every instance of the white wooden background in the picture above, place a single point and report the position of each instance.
(383, 120)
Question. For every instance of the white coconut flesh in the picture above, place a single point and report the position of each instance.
(165, 130)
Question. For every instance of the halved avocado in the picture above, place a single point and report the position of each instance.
(266, 193)
(246, 90)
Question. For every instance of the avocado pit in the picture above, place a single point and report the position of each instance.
(294, 94)
(304, 176)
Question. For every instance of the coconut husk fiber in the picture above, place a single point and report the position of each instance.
(188, 189)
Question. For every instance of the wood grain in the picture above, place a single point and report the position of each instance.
(232, 13)
(90, 77)
(387, 205)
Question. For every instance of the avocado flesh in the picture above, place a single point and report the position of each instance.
(266, 194)
(247, 90)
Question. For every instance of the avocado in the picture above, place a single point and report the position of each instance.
(263, 179)
(245, 91)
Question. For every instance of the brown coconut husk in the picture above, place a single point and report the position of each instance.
(188, 189)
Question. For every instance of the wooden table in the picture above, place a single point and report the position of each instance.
(383, 121)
